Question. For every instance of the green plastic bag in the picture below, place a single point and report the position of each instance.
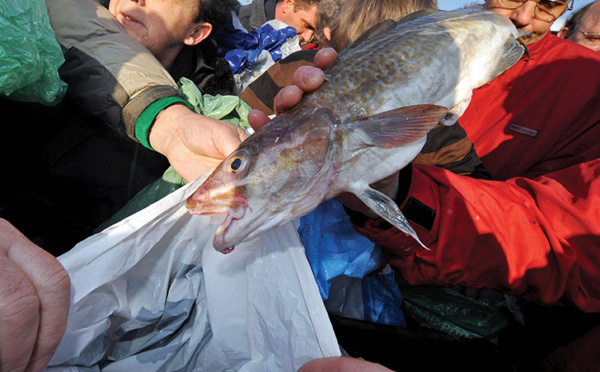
(29, 53)
(450, 312)
(228, 108)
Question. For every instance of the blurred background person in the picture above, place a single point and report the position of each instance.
(300, 14)
(583, 27)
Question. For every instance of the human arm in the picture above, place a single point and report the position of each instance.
(114, 78)
(535, 238)
(34, 302)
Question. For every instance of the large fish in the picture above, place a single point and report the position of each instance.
(368, 120)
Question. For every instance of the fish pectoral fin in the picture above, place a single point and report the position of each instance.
(398, 127)
(385, 207)
(456, 112)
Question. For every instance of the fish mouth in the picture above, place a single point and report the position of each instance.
(227, 202)
(219, 241)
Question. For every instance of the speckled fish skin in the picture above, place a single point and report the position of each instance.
(367, 121)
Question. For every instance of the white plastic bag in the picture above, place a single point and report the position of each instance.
(151, 294)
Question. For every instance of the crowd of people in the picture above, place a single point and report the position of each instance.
(525, 226)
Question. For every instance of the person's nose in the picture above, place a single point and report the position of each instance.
(523, 15)
(307, 35)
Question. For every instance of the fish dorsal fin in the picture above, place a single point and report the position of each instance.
(418, 14)
(511, 53)
(397, 127)
(385, 25)
(376, 29)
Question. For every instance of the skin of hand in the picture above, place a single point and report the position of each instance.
(342, 364)
(307, 79)
(34, 302)
(193, 143)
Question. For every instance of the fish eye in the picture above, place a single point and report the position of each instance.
(236, 163)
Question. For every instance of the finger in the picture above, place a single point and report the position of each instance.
(287, 98)
(231, 140)
(308, 78)
(51, 285)
(19, 316)
(342, 364)
(257, 119)
(325, 57)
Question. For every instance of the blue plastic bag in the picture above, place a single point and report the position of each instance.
(242, 49)
(334, 248)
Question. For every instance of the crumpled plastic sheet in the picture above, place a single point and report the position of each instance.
(334, 248)
(223, 107)
(29, 53)
(241, 49)
(150, 293)
(250, 54)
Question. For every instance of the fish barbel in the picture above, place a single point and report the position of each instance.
(369, 119)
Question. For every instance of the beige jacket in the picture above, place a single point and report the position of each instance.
(109, 73)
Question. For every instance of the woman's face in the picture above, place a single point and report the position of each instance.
(159, 25)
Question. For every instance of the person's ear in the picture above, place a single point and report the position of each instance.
(327, 33)
(563, 33)
(199, 33)
(288, 5)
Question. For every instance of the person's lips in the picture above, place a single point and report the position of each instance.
(129, 20)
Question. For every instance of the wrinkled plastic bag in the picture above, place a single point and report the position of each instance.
(450, 312)
(29, 53)
(250, 54)
(336, 250)
(222, 107)
(334, 247)
(151, 294)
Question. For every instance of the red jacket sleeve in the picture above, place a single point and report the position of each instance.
(539, 239)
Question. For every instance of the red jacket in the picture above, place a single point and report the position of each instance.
(534, 237)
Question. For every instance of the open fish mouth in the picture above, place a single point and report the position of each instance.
(219, 242)
(209, 202)
(234, 206)
(215, 198)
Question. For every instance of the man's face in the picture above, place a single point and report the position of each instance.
(303, 20)
(159, 25)
(590, 23)
(524, 19)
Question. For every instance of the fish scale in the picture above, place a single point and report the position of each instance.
(368, 120)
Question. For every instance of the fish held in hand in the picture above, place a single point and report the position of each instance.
(369, 119)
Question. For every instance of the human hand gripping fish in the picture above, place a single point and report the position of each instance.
(369, 119)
